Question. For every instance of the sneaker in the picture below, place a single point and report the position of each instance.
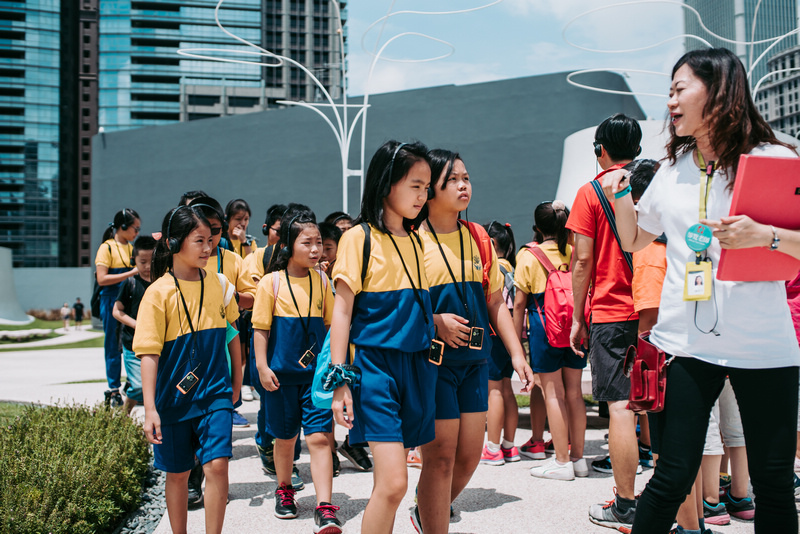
(724, 485)
(797, 488)
(603, 465)
(580, 468)
(533, 449)
(247, 393)
(112, 398)
(740, 508)
(285, 504)
(325, 521)
(645, 456)
(415, 520)
(609, 515)
(489, 457)
(414, 459)
(337, 466)
(796, 464)
(357, 455)
(239, 421)
(297, 481)
(510, 455)
(267, 459)
(195, 484)
(552, 470)
(715, 514)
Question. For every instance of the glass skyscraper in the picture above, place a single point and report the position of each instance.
(29, 130)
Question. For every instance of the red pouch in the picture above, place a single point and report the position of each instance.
(646, 366)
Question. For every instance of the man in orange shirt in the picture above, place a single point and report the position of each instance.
(601, 262)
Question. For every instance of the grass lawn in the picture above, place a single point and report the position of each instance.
(38, 338)
(85, 344)
(9, 411)
(37, 323)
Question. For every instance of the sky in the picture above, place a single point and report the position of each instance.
(514, 38)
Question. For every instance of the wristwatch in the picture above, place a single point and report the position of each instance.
(249, 240)
(775, 240)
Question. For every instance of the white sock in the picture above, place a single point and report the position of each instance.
(559, 464)
(507, 444)
(494, 447)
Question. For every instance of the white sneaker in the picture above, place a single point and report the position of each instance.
(580, 468)
(552, 470)
(247, 393)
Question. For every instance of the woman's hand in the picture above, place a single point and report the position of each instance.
(740, 231)
(239, 233)
(343, 402)
(452, 329)
(524, 372)
(614, 182)
(268, 379)
(152, 426)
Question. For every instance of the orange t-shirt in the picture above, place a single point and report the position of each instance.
(649, 270)
(611, 278)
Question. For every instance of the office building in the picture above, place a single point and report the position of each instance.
(733, 19)
(778, 99)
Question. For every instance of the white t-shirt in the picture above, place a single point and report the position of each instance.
(752, 318)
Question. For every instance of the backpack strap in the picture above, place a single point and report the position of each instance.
(276, 283)
(324, 278)
(367, 248)
(227, 289)
(485, 247)
(269, 252)
(539, 254)
(612, 221)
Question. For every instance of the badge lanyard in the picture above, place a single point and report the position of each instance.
(130, 253)
(188, 315)
(417, 291)
(462, 291)
(220, 261)
(307, 324)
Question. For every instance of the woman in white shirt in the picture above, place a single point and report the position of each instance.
(743, 329)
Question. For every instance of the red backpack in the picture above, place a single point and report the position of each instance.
(558, 300)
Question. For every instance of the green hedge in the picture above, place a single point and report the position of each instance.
(70, 470)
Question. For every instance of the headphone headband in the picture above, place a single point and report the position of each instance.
(394, 155)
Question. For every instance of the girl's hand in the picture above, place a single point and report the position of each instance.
(452, 329)
(268, 379)
(614, 182)
(740, 231)
(152, 426)
(134, 271)
(577, 336)
(343, 401)
(524, 372)
(239, 233)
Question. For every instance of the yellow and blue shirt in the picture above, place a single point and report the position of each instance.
(252, 270)
(162, 329)
(225, 262)
(238, 247)
(285, 322)
(445, 294)
(117, 257)
(386, 313)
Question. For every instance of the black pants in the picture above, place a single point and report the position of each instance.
(767, 401)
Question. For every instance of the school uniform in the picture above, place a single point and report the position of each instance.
(197, 422)
(463, 379)
(225, 262)
(293, 330)
(117, 257)
(390, 338)
(500, 363)
(130, 296)
(238, 247)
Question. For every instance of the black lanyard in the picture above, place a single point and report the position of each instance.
(462, 291)
(220, 260)
(124, 263)
(307, 324)
(417, 291)
(186, 308)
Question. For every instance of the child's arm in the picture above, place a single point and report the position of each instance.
(265, 374)
(152, 421)
(119, 314)
(452, 329)
(340, 339)
(235, 350)
(105, 279)
(520, 310)
(504, 326)
(246, 300)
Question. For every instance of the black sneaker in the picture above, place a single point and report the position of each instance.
(337, 465)
(196, 476)
(325, 521)
(357, 455)
(603, 465)
(297, 480)
(112, 398)
(611, 516)
(645, 456)
(267, 458)
(285, 505)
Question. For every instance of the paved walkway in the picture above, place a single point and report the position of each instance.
(502, 499)
(74, 334)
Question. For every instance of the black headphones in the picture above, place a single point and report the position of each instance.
(219, 213)
(598, 148)
(388, 186)
(124, 225)
(173, 243)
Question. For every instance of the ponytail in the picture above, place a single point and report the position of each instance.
(562, 233)
(550, 218)
(108, 233)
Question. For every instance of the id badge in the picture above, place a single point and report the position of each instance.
(436, 352)
(476, 338)
(188, 382)
(306, 359)
(697, 283)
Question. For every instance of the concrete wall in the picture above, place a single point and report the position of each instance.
(49, 288)
(10, 309)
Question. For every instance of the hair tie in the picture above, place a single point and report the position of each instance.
(508, 225)
(559, 205)
(111, 225)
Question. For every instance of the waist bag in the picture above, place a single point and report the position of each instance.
(646, 366)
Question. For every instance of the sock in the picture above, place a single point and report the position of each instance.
(494, 447)
(560, 464)
(647, 448)
(684, 531)
(702, 524)
(507, 444)
(625, 504)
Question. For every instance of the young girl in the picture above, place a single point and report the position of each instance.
(503, 412)
(237, 213)
(113, 265)
(383, 325)
(292, 309)
(558, 369)
(463, 319)
(186, 384)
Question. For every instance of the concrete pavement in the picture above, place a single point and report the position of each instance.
(502, 499)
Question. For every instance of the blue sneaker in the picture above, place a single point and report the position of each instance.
(645, 456)
(297, 481)
(796, 487)
(239, 421)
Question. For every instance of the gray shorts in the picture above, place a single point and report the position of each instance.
(608, 343)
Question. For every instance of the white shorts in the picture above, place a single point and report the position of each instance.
(725, 424)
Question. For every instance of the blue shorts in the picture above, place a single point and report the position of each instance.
(290, 407)
(500, 363)
(207, 437)
(547, 359)
(462, 389)
(133, 375)
(394, 401)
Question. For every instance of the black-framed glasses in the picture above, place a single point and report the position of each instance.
(274, 229)
(216, 230)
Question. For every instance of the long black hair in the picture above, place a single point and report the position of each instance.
(178, 223)
(504, 237)
(389, 165)
(550, 219)
(124, 217)
(293, 222)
